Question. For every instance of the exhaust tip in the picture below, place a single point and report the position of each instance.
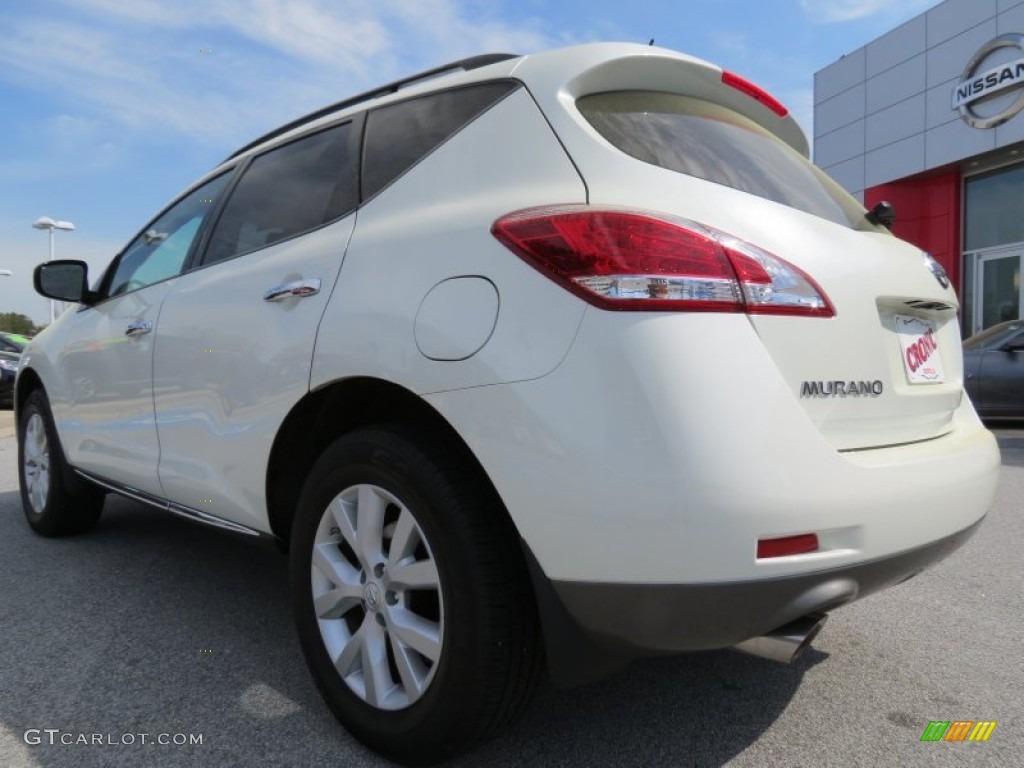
(786, 643)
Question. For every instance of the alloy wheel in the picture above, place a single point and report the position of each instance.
(37, 463)
(378, 597)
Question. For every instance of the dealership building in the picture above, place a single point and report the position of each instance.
(930, 117)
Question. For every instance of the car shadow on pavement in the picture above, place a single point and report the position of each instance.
(152, 624)
(1012, 449)
(697, 709)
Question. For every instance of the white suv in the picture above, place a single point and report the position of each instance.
(570, 357)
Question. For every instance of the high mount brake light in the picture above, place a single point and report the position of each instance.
(630, 260)
(754, 92)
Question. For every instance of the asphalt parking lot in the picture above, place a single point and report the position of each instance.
(152, 625)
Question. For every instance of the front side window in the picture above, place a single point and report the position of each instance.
(287, 191)
(160, 251)
(711, 142)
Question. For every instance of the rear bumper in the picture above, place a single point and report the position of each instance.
(639, 619)
(592, 629)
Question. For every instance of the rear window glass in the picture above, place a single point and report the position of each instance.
(400, 135)
(705, 140)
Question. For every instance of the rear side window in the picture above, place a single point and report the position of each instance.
(705, 140)
(287, 191)
(400, 135)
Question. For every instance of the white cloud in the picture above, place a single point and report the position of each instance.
(139, 64)
(832, 11)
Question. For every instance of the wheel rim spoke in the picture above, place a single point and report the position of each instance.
(377, 597)
(377, 680)
(370, 506)
(339, 512)
(333, 566)
(404, 540)
(415, 632)
(343, 591)
(421, 574)
(351, 654)
(410, 669)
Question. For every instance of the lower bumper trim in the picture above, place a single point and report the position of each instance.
(638, 619)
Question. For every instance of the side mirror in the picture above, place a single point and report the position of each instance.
(883, 213)
(1016, 345)
(64, 280)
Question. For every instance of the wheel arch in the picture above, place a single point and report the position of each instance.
(330, 411)
(27, 382)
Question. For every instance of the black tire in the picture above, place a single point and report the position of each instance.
(490, 655)
(68, 505)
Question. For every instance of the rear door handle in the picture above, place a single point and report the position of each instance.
(139, 328)
(298, 289)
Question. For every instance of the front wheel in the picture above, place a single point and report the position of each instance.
(55, 503)
(411, 598)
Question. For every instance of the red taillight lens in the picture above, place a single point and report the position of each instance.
(754, 92)
(629, 260)
(787, 545)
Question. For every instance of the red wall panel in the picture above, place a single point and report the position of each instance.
(927, 215)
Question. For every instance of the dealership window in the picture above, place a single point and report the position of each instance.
(994, 208)
(993, 248)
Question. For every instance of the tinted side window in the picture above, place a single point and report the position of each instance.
(400, 135)
(287, 191)
(160, 251)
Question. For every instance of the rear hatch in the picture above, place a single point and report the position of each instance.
(665, 134)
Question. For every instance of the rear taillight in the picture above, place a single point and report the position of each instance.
(628, 260)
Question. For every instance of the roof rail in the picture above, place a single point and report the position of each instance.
(464, 65)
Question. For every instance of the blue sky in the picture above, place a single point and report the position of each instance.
(111, 107)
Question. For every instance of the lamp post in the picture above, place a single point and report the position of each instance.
(45, 222)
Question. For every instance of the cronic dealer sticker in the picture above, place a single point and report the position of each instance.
(921, 358)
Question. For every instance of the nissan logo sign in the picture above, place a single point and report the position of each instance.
(977, 84)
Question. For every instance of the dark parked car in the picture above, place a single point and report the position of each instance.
(8, 370)
(994, 370)
(12, 342)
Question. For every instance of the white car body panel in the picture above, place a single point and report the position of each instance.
(416, 233)
(106, 416)
(233, 366)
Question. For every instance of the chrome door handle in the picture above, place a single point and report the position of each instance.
(299, 289)
(139, 328)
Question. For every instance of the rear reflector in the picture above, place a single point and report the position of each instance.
(631, 260)
(754, 92)
(787, 545)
